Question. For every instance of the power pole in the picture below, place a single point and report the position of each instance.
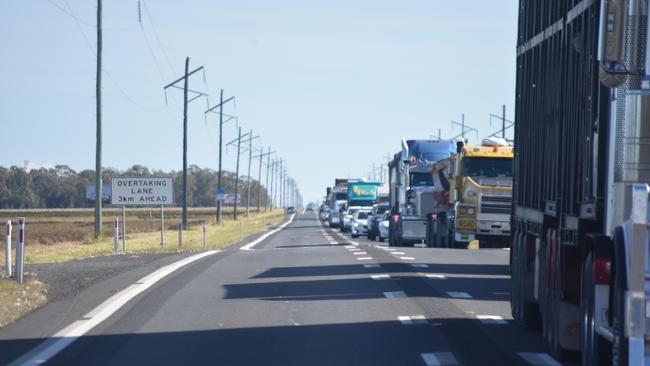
(505, 123)
(239, 141)
(259, 178)
(185, 78)
(248, 184)
(274, 182)
(98, 144)
(221, 123)
(464, 128)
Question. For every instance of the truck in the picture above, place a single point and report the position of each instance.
(479, 197)
(579, 245)
(337, 198)
(411, 189)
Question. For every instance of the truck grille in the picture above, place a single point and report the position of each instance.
(496, 204)
(427, 203)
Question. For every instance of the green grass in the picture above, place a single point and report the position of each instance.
(218, 237)
(17, 300)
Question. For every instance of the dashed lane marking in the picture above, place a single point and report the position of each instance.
(538, 359)
(459, 295)
(439, 359)
(371, 266)
(359, 253)
(407, 258)
(491, 319)
(412, 319)
(380, 277)
(419, 265)
(364, 258)
(399, 253)
(394, 294)
(436, 276)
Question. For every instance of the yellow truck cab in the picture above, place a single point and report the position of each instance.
(480, 180)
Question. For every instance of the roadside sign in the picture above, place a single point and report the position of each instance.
(142, 191)
(221, 194)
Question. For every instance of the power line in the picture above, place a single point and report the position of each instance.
(155, 32)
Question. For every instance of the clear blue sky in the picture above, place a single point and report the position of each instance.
(330, 85)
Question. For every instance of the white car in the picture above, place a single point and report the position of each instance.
(359, 223)
(346, 217)
(383, 227)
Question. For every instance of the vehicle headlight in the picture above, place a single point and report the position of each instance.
(470, 193)
(470, 211)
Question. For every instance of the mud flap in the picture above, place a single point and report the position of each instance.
(569, 326)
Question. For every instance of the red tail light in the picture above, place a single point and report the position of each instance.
(395, 219)
(601, 272)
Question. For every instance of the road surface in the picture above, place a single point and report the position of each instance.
(307, 295)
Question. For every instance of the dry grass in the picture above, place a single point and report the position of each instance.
(17, 300)
(218, 236)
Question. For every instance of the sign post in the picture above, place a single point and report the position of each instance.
(205, 242)
(162, 226)
(124, 229)
(20, 250)
(8, 248)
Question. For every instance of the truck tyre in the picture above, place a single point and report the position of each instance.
(592, 345)
(527, 313)
(617, 300)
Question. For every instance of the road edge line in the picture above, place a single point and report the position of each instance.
(250, 245)
(65, 337)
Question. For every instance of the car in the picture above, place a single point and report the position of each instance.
(359, 223)
(291, 210)
(310, 209)
(383, 227)
(346, 216)
(376, 214)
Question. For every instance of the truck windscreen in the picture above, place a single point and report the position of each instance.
(488, 167)
(421, 180)
(341, 196)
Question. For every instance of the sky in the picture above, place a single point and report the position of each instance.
(331, 86)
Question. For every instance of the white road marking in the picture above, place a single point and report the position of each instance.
(63, 338)
(380, 277)
(364, 258)
(459, 295)
(399, 253)
(394, 294)
(250, 246)
(354, 249)
(508, 249)
(350, 247)
(333, 242)
(354, 243)
(439, 359)
(388, 249)
(419, 265)
(359, 253)
(538, 359)
(407, 258)
(412, 319)
(491, 319)
(371, 266)
(436, 276)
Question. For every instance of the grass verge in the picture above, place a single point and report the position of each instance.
(217, 237)
(17, 300)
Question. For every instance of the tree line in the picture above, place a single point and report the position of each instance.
(63, 187)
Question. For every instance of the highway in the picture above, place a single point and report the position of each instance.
(307, 295)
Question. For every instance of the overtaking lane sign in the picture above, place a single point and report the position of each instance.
(142, 191)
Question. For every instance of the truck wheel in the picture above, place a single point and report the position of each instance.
(382, 239)
(617, 294)
(592, 346)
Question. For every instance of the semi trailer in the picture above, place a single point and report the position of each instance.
(579, 246)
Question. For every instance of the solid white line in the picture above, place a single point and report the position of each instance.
(351, 247)
(63, 338)
(354, 249)
(407, 258)
(250, 246)
(538, 359)
(491, 319)
(399, 253)
(459, 295)
(439, 359)
(419, 265)
(394, 294)
(380, 277)
(364, 258)
(371, 266)
(359, 253)
(405, 319)
(436, 276)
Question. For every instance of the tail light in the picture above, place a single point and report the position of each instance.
(395, 219)
(601, 272)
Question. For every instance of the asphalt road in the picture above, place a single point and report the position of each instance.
(307, 295)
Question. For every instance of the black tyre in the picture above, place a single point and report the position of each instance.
(617, 300)
(592, 345)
